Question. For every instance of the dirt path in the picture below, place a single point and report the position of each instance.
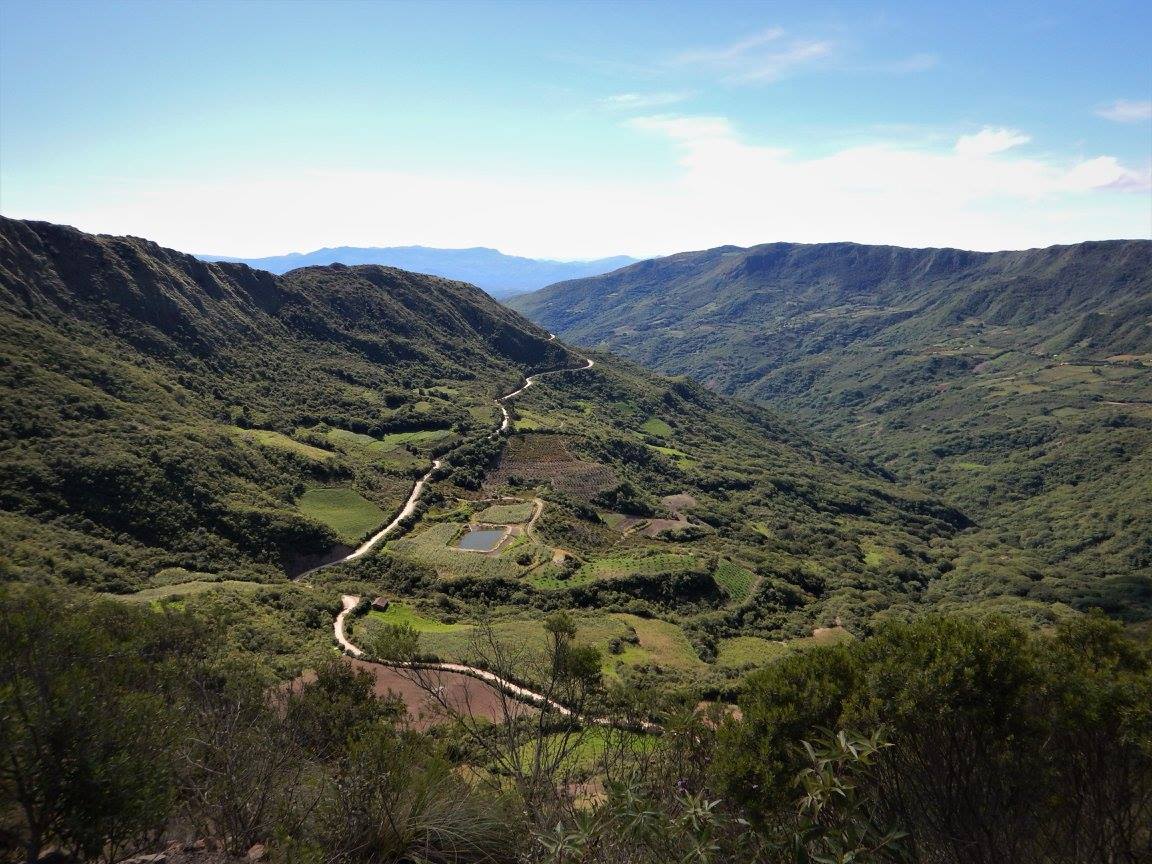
(538, 503)
(523, 694)
(506, 423)
(349, 601)
(418, 489)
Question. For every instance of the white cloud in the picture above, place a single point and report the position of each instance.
(732, 52)
(989, 141)
(1126, 111)
(720, 189)
(692, 129)
(641, 101)
(760, 58)
(775, 65)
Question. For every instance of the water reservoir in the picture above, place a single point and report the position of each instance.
(482, 539)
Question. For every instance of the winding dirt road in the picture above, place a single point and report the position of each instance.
(516, 691)
(349, 601)
(418, 489)
(528, 382)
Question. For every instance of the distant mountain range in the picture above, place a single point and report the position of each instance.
(499, 274)
(1016, 385)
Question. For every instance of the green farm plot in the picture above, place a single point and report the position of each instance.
(507, 514)
(613, 520)
(528, 421)
(735, 581)
(650, 565)
(399, 614)
(586, 756)
(387, 442)
(432, 537)
(644, 641)
(434, 546)
(347, 437)
(268, 438)
(681, 458)
(456, 642)
(660, 643)
(342, 509)
(184, 589)
(748, 651)
(656, 426)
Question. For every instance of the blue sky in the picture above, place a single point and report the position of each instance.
(578, 130)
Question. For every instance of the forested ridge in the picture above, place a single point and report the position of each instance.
(1014, 385)
(784, 643)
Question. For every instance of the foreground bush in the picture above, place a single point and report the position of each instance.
(1006, 746)
(974, 742)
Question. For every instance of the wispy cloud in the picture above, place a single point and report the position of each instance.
(733, 52)
(762, 57)
(990, 140)
(643, 101)
(692, 129)
(1126, 111)
(978, 191)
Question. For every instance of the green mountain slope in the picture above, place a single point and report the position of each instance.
(161, 413)
(169, 425)
(1014, 384)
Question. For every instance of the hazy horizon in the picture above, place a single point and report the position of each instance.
(573, 132)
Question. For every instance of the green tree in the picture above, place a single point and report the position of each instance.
(87, 726)
(394, 642)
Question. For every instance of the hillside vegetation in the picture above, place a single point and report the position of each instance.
(180, 439)
(1015, 385)
(160, 412)
(170, 421)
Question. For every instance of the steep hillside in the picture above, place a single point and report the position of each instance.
(163, 413)
(1015, 384)
(169, 425)
(499, 274)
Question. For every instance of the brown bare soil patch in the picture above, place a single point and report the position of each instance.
(461, 692)
(678, 503)
(547, 459)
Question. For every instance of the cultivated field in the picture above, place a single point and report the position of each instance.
(506, 514)
(267, 438)
(735, 581)
(537, 459)
(638, 642)
(435, 546)
(343, 509)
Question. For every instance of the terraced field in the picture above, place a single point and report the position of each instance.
(279, 441)
(546, 459)
(343, 509)
(434, 546)
(735, 581)
(506, 514)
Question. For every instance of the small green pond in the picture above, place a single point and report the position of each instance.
(481, 539)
